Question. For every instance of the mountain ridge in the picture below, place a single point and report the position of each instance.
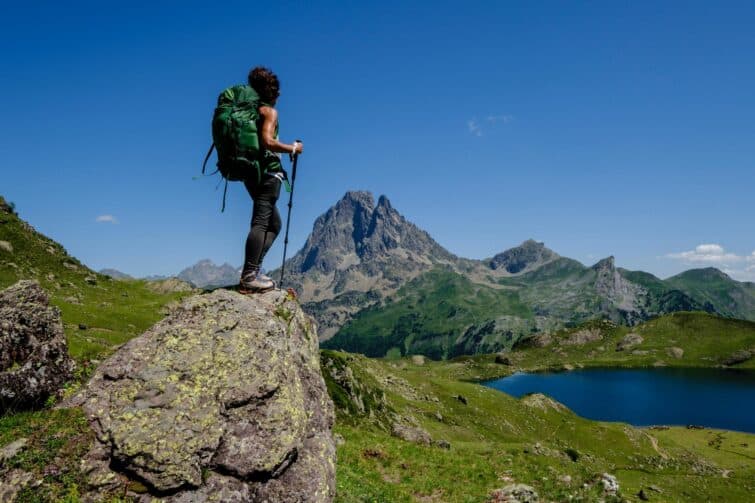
(360, 254)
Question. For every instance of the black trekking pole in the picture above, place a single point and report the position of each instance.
(288, 218)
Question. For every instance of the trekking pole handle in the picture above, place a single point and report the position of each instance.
(295, 143)
(294, 157)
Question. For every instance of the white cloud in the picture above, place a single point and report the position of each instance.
(106, 219)
(707, 254)
(748, 274)
(474, 127)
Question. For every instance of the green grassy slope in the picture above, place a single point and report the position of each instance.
(561, 290)
(729, 297)
(112, 311)
(706, 341)
(496, 440)
(664, 297)
(440, 314)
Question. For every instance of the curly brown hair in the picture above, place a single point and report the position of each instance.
(265, 82)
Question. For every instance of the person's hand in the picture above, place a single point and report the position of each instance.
(298, 149)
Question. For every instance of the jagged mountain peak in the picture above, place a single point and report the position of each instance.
(608, 263)
(356, 199)
(383, 201)
(356, 229)
(527, 256)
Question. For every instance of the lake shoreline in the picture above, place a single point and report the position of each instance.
(645, 397)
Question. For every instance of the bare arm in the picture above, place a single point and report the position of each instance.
(267, 135)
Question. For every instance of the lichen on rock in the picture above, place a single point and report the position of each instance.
(34, 361)
(222, 397)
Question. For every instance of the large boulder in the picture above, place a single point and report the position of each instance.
(675, 352)
(221, 401)
(34, 361)
(582, 337)
(629, 341)
(514, 493)
(737, 357)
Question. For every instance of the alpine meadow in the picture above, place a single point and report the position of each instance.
(377, 252)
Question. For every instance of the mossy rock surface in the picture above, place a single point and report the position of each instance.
(224, 398)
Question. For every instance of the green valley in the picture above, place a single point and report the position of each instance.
(417, 425)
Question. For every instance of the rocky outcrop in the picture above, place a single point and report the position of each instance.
(8, 451)
(503, 359)
(609, 483)
(675, 352)
(6, 207)
(536, 341)
(542, 402)
(618, 291)
(411, 433)
(582, 337)
(13, 482)
(355, 394)
(738, 357)
(629, 341)
(514, 493)
(34, 360)
(524, 258)
(170, 285)
(221, 401)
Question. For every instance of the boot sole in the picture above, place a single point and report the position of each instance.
(249, 291)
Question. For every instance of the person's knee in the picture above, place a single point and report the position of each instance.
(276, 224)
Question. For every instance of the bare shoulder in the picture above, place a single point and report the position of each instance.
(268, 112)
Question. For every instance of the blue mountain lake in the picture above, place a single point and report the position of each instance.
(715, 398)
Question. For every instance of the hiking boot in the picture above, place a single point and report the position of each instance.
(255, 283)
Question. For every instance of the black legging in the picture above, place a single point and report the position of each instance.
(266, 221)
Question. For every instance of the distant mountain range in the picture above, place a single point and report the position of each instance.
(377, 283)
(203, 274)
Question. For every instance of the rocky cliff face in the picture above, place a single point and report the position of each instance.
(618, 291)
(221, 401)
(357, 253)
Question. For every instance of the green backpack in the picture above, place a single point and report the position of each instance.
(234, 135)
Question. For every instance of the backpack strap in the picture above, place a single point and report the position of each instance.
(207, 157)
(225, 190)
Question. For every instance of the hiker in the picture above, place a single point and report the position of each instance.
(266, 221)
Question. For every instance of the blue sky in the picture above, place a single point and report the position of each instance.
(600, 128)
